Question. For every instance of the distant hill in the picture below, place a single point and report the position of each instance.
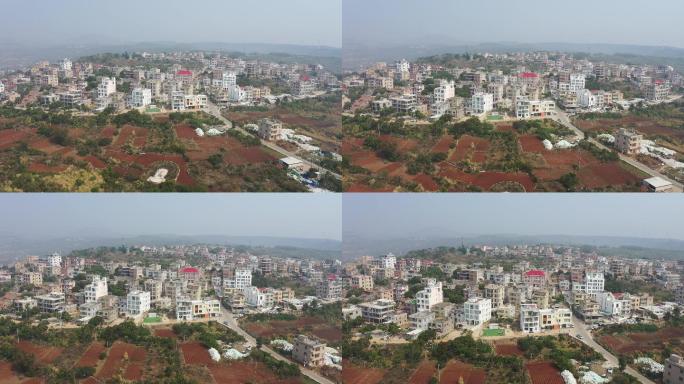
(14, 247)
(357, 54)
(15, 56)
(356, 245)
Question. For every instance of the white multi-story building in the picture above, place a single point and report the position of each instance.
(65, 65)
(402, 65)
(242, 278)
(96, 289)
(481, 103)
(258, 298)
(236, 94)
(555, 318)
(106, 88)
(182, 102)
(658, 91)
(141, 97)
(444, 91)
(431, 295)
(52, 302)
(585, 98)
(189, 309)
(530, 318)
(477, 311)
(388, 261)
(377, 312)
(577, 81)
(526, 108)
(228, 80)
(2, 87)
(594, 281)
(137, 303)
(612, 306)
(54, 260)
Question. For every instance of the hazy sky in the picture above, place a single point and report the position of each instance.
(653, 22)
(303, 22)
(251, 214)
(632, 215)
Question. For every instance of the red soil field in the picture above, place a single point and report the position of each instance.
(367, 159)
(391, 167)
(560, 162)
(115, 358)
(364, 188)
(426, 182)
(455, 370)
(643, 341)
(91, 356)
(331, 334)
(44, 145)
(127, 131)
(443, 144)
(245, 372)
(486, 180)
(148, 158)
(508, 350)
(403, 145)
(284, 327)
(165, 332)
(468, 146)
(44, 354)
(195, 353)
(8, 137)
(134, 371)
(6, 373)
(107, 132)
(422, 374)
(606, 174)
(543, 372)
(530, 143)
(357, 375)
(42, 168)
(250, 155)
(185, 131)
(95, 162)
(645, 125)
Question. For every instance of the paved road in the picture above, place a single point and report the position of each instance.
(563, 118)
(611, 360)
(229, 321)
(214, 110)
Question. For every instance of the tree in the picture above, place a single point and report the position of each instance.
(569, 181)
(622, 361)
(215, 160)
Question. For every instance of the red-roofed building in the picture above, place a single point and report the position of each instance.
(184, 72)
(528, 75)
(189, 273)
(535, 278)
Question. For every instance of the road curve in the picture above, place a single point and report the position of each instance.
(611, 360)
(215, 111)
(563, 119)
(229, 321)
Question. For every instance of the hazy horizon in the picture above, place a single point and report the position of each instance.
(306, 216)
(437, 215)
(44, 23)
(394, 22)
